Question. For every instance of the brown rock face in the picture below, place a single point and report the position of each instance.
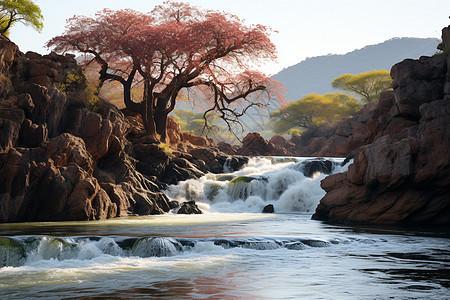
(336, 140)
(403, 176)
(34, 188)
(58, 160)
(254, 144)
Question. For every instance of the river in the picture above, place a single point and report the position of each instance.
(232, 251)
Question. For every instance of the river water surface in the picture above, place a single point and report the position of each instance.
(232, 251)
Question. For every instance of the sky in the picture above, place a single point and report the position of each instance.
(305, 28)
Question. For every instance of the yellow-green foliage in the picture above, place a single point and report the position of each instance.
(367, 86)
(23, 11)
(79, 90)
(166, 148)
(194, 122)
(313, 110)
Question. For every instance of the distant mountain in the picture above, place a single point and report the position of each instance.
(314, 75)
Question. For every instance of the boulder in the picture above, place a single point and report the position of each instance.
(310, 167)
(195, 140)
(268, 209)
(227, 148)
(188, 208)
(254, 144)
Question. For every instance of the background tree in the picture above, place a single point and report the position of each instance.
(367, 86)
(22, 11)
(194, 122)
(175, 47)
(313, 110)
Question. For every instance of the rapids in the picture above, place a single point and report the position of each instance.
(232, 251)
(278, 181)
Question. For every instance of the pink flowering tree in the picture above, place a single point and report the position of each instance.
(177, 47)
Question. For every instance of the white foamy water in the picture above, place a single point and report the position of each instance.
(233, 251)
(261, 182)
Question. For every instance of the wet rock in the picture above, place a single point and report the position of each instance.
(268, 209)
(174, 204)
(179, 170)
(235, 163)
(312, 166)
(188, 208)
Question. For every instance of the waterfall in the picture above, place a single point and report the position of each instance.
(290, 184)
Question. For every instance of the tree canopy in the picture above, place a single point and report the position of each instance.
(177, 46)
(22, 11)
(312, 110)
(367, 86)
(194, 122)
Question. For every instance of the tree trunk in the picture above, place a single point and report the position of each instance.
(161, 119)
(145, 108)
(148, 114)
(149, 122)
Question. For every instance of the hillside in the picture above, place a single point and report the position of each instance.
(314, 75)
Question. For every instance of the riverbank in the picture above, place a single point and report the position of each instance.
(64, 157)
(403, 176)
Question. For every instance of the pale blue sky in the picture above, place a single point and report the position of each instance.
(305, 28)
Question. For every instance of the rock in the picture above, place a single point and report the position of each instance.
(130, 190)
(282, 142)
(67, 149)
(402, 176)
(120, 124)
(174, 204)
(188, 208)
(34, 189)
(445, 44)
(180, 169)
(268, 209)
(173, 131)
(209, 156)
(312, 166)
(254, 144)
(92, 128)
(227, 148)
(196, 140)
(235, 163)
(32, 135)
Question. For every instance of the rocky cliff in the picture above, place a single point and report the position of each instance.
(59, 160)
(403, 175)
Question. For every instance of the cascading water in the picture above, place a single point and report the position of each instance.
(291, 185)
(16, 252)
(231, 251)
